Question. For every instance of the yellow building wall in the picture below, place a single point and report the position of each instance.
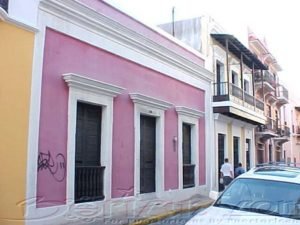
(16, 53)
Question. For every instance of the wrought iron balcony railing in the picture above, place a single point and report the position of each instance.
(89, 183)
(249, 99)
(298, 130)
(235, 91)
(260, 105)
(284, 131)
(222, 91)
(188, 175)
(267, 77)
(283, 92)
(4, 4)
(271, 126)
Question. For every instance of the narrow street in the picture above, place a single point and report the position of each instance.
(179, 219)
(129, 112)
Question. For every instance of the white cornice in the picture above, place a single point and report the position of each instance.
(182, 110)
(150, 101)
(5, 17)
(226, 119)
(3, 14)
(91, 85)
(239, 107)
(77, 13)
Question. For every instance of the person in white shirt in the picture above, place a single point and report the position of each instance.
(226, 173)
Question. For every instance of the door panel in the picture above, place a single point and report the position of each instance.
(88, 170)
(248, 152)
(147, 153)
(236, 150)
(221, 147)
(188, 167)
(186, 143)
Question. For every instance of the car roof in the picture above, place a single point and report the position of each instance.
(283, 173)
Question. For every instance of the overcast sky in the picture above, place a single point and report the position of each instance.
(277, 21)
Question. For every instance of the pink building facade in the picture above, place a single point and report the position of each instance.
(121, 113)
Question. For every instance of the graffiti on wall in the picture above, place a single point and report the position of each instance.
(55, 165)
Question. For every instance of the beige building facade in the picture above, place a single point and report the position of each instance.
(237, 110)
(271, 136)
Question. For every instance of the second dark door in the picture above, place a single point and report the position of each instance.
(147, 154)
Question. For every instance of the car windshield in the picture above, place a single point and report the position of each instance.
(262, 196)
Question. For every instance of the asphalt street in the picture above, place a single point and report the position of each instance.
(179, 219)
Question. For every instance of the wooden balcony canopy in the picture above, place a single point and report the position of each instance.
(238, 49)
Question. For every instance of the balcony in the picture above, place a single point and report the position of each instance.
(296, 130)
(232, 101)
(267, 131)
(4, 4)
(89, 183)
(270, 97)
(265, 82)
(298, 140)
(188, 175)
(283, 96)
(284, 134)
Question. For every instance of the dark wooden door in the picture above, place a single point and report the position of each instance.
(221, 147)
(88, 169)
(270, 153)
(188, 167)
(236, 150)
(248, 152)
(147, 154)
(186, 143)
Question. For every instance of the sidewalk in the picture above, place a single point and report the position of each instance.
(153, 211)
(191, 204)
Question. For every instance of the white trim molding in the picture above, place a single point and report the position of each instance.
(5, 17)
(149, 101)
(94, 92)
(83, 16)
(145, 105)
(194, 122)
(3, 14)
(241, 108)
(182, 110)
(87, 84)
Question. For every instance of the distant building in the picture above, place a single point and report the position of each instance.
(271, 136)
(237, 109)
(291, 149)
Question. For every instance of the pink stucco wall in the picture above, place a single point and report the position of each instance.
(202, 165)
(113, 13)
(64, 54)
(171, 162)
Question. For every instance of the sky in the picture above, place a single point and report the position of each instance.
(276, 21)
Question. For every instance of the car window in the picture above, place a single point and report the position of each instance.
(262, 196)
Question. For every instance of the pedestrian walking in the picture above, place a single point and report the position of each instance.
(239, 170)
(226, 173)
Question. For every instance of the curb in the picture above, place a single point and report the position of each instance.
(161, 216)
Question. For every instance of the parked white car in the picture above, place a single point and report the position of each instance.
(265, 195)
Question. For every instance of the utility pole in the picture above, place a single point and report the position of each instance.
(173, 21)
